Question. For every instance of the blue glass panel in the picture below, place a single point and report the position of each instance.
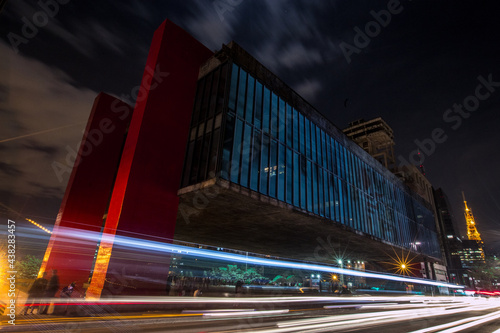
(233, 88)
(254, 178)
(318, 146)
(295, 130)
(314, 150)
(331, 198)
(340, 195)
(309, 187)
(235, 159)
(321, 197)
(303, 182)
(326, 194)
(315, 188)
(265, 110)
(245, 155)
(282, 121)
(273, 168)
(289, 126)
(296, 180)
(227, 147)
(335, 158)
(213, 93)
(344, 165)
(206, 96)
(308, 138)
(264, 166)
(281, 172)
(240, 107)
(329, 154)
(302, 134)
(250, 101)
(274, 115)
(258, 105)
(324, 150)
(349, 205)
(289, 176)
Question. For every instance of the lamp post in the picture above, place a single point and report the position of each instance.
(341, 264)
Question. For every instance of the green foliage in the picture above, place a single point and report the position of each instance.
(28, 267)
(487, 273)
(234, 273)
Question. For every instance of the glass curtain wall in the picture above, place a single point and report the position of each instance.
(205, 133)
(272, 148)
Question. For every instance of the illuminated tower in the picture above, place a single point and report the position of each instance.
(472, 232)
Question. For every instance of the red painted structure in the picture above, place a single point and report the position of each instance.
(144, 199)
(87, 194)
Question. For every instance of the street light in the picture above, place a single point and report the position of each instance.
(341, 263)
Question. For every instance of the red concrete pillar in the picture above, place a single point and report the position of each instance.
(88, 191)
(144, 200)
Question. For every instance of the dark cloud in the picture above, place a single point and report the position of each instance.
(10, 170)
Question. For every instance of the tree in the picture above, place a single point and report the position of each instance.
(28, 267)
(487, 272)
(234, 273)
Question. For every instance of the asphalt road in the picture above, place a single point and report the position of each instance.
(287, 314)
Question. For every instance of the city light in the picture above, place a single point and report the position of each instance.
(39, 226)
(403, 264)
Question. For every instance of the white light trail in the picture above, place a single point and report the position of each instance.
(145, 245)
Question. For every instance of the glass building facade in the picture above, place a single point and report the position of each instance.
(248, 134)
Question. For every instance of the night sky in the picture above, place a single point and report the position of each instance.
(413, 69)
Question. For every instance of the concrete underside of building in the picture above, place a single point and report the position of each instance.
(224, 214)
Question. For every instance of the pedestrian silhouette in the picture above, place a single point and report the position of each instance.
(35, 294)
(51, 290)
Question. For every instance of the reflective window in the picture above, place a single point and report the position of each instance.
(258, 105)
(303, 180)
(250, 99)
(309, 186)
(313, 143)
(302, 135)
(289, 176)
(282, 120)
(281, 172)
(256, 148)
(296, 177)
(274, 115)
(289, 126)
(264, 166)
(308, 138)
(295, 161)
(273, 168)
(233, 88)
(265, 110)
(242, 84)
(245, 155)
(236, 155)
(295, 130)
